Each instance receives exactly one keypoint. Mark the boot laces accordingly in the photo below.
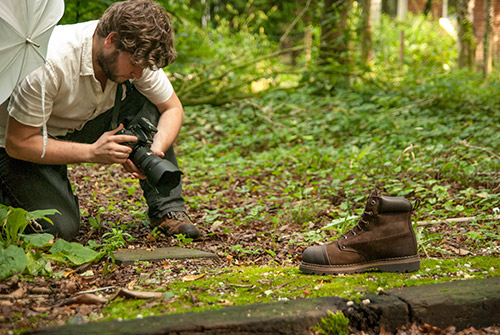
(361, 226)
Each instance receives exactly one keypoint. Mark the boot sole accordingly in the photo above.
(400, 264)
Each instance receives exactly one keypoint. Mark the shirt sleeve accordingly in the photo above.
(155, 85)
(26, 100)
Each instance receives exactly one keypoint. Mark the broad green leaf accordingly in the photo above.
(42, 214)
(38, 264)
(73, 252)
(38, 240)
(12, 260)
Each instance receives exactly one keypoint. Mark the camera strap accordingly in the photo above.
(116, 108)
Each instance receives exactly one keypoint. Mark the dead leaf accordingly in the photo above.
(17, 293)
(88, 273)
(81, 299)
(225, 302)
(131, 284)
(137, 294)
(41, 290)
(459, 251)
(264, 281)
(192, 277)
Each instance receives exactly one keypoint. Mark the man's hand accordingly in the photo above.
(129, 166)
(108, 150)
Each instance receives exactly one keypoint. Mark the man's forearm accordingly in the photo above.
(26, 143)
(56, 151)
(169, 126)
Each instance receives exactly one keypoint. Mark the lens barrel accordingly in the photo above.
(161, 173)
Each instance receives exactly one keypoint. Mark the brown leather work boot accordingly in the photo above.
(383, 239)
(176, 223)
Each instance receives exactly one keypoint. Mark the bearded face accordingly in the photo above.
(109, 64)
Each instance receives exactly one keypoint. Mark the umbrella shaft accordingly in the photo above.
(28, 40)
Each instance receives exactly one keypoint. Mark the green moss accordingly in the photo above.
(249, 285)
(333, 324)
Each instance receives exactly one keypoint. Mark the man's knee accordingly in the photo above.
(64, 224)
(67, 224)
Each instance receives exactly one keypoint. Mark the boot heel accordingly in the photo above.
(408, 266)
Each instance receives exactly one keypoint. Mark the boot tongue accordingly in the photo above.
(372, 201)
(375, 193)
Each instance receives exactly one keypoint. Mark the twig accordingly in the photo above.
(297, 18)
(244, 64)
(468, 145)
(456, 220)
(97, 290)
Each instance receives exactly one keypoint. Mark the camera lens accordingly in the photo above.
(161, 174)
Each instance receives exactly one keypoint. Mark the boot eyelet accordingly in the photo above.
(344, 237)
(342, 247)
(373, 203)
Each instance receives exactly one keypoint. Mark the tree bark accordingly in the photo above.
(402, 9)
(488, 38)
(375, 12)
(366, 32)
(466, 39)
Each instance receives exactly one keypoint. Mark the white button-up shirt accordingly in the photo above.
(73, 95)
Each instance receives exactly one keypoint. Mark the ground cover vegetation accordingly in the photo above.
(278, 154)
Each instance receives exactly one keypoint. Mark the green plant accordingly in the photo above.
(115, 239)
(15, 220)
(333, 324)
(34, 252)
(182, 239)
(425, 239)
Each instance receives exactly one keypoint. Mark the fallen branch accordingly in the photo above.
(454, 220)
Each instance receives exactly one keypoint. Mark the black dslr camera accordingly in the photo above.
(161, 173)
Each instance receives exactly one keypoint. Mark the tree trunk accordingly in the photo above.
(445, 8)
(308, 45)
(402, 9)
(375, 12)
(335, 34)
(366, 32)
(488, 35)
(466, 39)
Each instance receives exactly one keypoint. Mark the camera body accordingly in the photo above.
(161, 174)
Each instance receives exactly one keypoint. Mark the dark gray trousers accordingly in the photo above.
(37, 186)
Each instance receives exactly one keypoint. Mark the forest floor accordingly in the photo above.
(43, 301)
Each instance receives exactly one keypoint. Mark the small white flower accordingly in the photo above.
(350, 303)
(139, 316)
(366, 302)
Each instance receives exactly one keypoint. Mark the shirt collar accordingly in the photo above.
(86, 66)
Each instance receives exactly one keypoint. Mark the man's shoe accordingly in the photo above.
(176, 223)
(383, 239)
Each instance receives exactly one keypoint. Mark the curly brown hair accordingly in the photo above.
(144, 31)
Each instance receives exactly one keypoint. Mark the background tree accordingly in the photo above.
(466, 40)
(365, 31)
(487, 41)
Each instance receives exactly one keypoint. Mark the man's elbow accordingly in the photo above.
(12, 148)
